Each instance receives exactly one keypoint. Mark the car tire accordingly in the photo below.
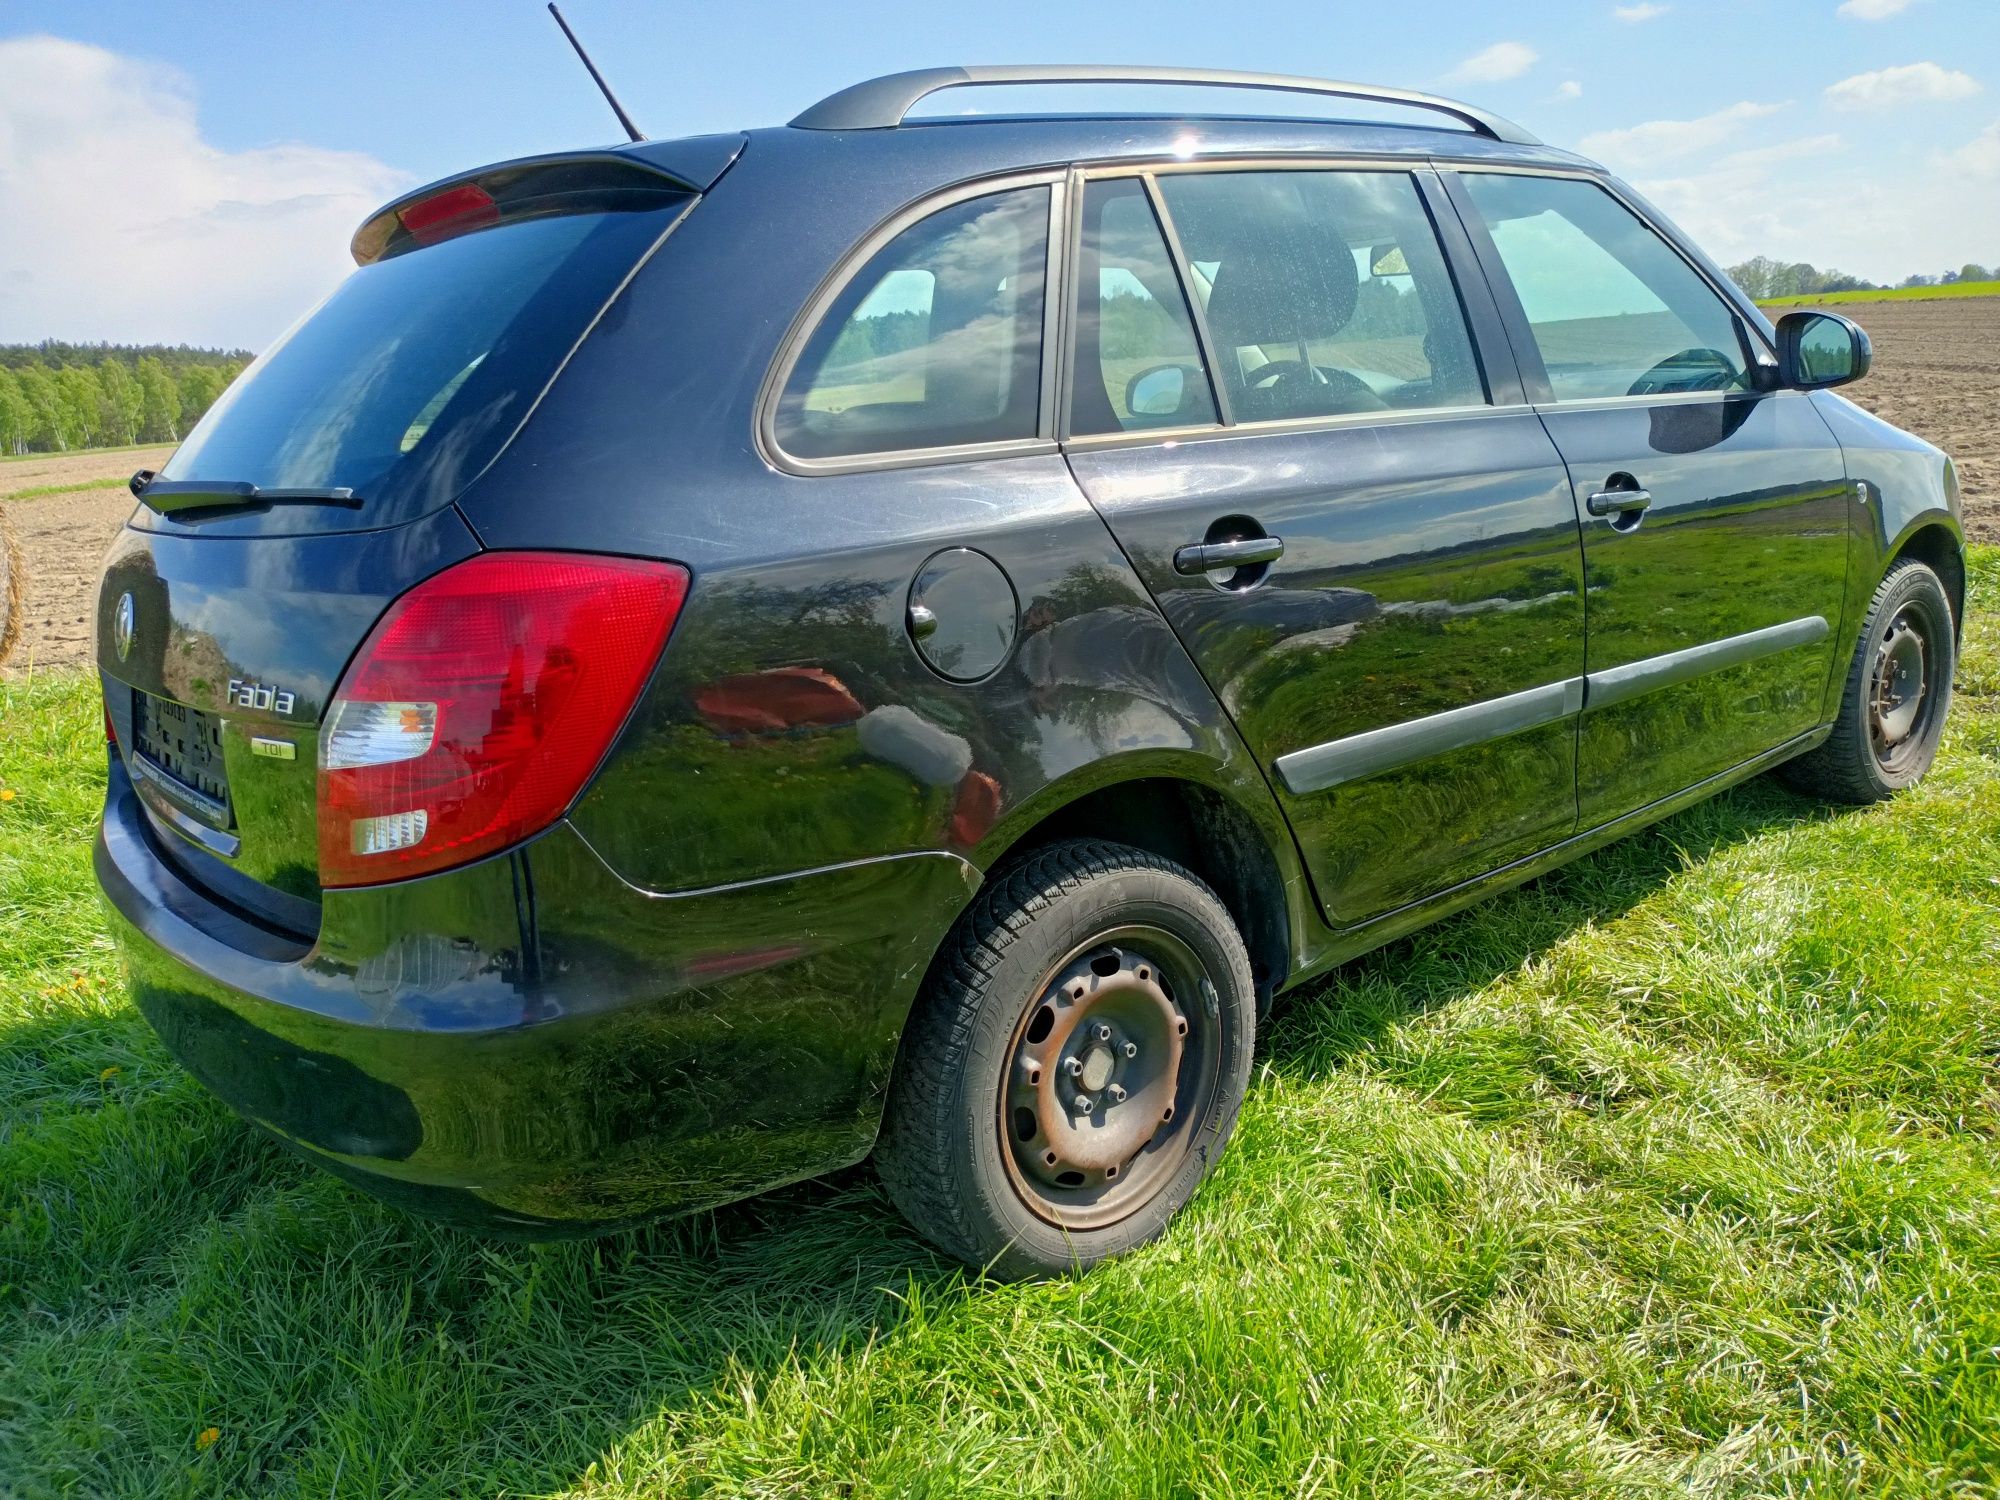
(1893, 703)
(1075, 1064)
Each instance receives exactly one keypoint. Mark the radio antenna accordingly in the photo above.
(604, 88)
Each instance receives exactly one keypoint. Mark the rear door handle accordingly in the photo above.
(1618, 502)
(1214, 557)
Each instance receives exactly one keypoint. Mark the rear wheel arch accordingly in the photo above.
(1206, 831)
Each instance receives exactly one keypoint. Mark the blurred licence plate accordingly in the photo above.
(185, 745)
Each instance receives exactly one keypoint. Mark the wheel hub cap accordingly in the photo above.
(1095, 1071)
(1897, 696)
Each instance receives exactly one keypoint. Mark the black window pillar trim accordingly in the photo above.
(1197, 309)
(1485, 323)
(1519, 336)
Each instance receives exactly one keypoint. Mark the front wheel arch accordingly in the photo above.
(1941, 549)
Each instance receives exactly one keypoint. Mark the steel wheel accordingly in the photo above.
(1076, 1064)
(1108, 1066)
(1900, 702)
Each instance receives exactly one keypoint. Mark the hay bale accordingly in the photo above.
(13, 584)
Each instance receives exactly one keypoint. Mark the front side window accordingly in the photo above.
(936, 342)
(1326, 293)
(1613, 309)
(1138, 364)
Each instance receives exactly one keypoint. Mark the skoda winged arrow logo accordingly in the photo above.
(123, 627)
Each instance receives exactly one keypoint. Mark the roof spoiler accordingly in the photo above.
(883, 103)
(537, 186)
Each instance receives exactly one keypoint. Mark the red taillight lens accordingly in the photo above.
(480, 704)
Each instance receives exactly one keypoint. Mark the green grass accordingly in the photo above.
(21, 458)
(37, 491)
(1674, 1172)
(1889, 294)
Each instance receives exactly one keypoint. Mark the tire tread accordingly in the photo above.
(1840, 768)
(922, 1181)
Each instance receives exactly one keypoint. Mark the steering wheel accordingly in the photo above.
(1334, 391)
(1689, 370)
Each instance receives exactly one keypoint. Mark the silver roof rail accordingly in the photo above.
(882, 103)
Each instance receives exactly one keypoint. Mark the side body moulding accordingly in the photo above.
(1320, 767)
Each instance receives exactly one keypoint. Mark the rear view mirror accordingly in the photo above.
(1817, 350)
(1158, 392)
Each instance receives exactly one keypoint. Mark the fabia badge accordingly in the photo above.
(123, 626)
(256, 695)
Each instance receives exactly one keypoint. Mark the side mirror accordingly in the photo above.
(1158, 392)
(1817, 350)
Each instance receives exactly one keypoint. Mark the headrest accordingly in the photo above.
(1281, 276)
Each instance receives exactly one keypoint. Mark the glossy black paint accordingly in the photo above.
(532, 1044)
(1429, 565)
(693, 986)
(1747, 529)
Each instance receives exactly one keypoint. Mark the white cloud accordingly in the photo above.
(1632, 15)
(1873, 10)
(1802, 200)
(1496, 64)
(1667, 140)
(122, 223)
(1913, 83)
(1569, 88)
(1979, 157)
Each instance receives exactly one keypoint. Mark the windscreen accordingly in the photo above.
(404, 383)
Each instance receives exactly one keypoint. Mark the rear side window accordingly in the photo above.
(1613, 309)
(1325, 292)
(936, 342)
(405, 382)
(1138, 364)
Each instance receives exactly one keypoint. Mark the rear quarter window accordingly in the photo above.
(935, 342)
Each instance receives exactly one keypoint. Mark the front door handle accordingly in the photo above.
(1618, 502)
(1217, 557)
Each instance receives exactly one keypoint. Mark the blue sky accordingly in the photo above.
(188, 171)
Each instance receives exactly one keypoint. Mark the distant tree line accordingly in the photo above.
(1970, 271)
(1764, 277)
(55, 397)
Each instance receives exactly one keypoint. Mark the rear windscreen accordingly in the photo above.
(405, 382)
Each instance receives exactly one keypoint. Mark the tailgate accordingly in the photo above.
(218, 655)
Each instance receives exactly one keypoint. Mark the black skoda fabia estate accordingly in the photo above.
(706, 660)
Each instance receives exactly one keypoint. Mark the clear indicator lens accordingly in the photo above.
(390, 832)
(361, 733)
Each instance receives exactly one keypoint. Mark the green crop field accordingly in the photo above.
(1676, 1172)
(1890, 294)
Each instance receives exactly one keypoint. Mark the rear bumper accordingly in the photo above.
(529, 1045)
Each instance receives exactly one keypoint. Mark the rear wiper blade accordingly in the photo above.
(172, 497)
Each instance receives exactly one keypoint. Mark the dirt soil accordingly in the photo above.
(1937, 373)
(60, 541)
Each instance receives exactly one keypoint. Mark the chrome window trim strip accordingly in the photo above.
(1319, 768)
(1400, 417)
(1665, 398)
(1377, 750)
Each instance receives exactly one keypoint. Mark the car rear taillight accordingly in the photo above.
(480, 704)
